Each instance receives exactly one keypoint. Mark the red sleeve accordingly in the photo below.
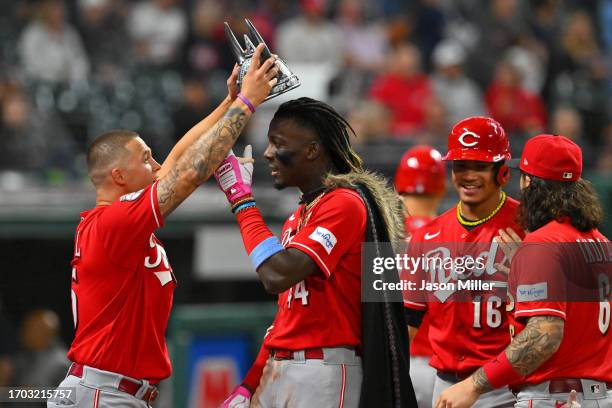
(251, 380)
(537, 281)
(334, 227)
(129, 222)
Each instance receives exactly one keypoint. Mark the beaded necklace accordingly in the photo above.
(463, 221)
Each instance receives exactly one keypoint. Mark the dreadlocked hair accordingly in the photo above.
(331, 128)
(546, 200)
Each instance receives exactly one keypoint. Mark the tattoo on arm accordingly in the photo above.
(200, 160)
(533, 346)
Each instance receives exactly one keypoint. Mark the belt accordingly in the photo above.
(453, 376)
(309, 354)
(559, 386)
(126, 385)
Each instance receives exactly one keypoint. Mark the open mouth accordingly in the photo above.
(470, 189)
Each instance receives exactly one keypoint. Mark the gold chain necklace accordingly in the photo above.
(305, 212)
(463, 221)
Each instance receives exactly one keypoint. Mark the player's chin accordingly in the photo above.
(279, 185)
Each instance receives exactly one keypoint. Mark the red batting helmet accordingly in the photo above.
(478, 138)
(420, 171)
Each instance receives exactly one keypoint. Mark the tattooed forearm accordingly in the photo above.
(481, 383)
(539, 340)
(530, 348)
(200, 160)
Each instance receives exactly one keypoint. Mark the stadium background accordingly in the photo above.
(401, 71)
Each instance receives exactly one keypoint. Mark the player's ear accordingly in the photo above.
(118, 176)
(313, 150)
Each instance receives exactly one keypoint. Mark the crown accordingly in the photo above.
(287, 80)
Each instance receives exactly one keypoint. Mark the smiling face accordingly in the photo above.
(290, 153)
(474, 181)
(139, 166)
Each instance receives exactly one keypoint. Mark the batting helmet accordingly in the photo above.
(483, 139)
(478, 138)
(421, 171)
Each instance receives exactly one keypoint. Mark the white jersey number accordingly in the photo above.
(493, 314)
(604, 305)
(299, 291)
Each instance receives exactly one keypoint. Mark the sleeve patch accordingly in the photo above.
(324, 237)
(530, 293)
(131, 196)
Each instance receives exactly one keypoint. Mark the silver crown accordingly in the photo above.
(287, 80)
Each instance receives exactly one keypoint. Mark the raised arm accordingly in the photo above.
(209, 148)
(203, 126)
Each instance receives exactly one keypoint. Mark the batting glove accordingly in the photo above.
(239, 398)
(235, 178)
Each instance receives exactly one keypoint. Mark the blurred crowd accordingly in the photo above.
(402, 71)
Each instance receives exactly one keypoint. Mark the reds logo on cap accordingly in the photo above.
(468, 133)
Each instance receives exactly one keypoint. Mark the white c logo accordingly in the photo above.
(468, 133)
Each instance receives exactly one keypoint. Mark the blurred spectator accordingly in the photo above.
(371, 122)
(365, 47)
(365, 44)
(310, 37)
(566, 121)
(42, 361)
(501, 26)
(404, 89)
(429, 28)
(517, 110)
(604, 164)
(195, 105)
(459, 94)
(435, 129)
(31, 141)
(50, 48)
(582, 74)
(157, 29)
(201, 54)
(102, 24)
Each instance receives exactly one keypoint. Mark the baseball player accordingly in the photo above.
(122, 281)
(420, 179)
(464, 335)
(562, 342)
(324, 348)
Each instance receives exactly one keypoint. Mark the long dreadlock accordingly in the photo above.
(331, 128)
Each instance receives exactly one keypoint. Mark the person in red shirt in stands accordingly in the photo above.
(404, 89)
(514, 107)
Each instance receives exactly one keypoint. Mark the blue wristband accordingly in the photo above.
(264, 250)
(243, 206)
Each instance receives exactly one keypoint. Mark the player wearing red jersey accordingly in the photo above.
(122, 282)
(420, 179)
(466, 334)
(562, 342)
(325, 347)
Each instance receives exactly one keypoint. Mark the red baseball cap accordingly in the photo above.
(550, 157)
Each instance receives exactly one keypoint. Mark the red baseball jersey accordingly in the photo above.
(541, 269)
(323, 310)
(122, 288)
(463, 335)
(420, 344)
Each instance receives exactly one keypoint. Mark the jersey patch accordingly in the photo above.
(131, 196)
(324, 237)
(530, 293)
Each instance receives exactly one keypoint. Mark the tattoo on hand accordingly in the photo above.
(200, 159)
